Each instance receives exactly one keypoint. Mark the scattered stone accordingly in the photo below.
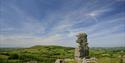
(81, 52)
(60, 61)
(31, 62)
(90, 60)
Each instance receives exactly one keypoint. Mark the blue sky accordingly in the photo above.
(24, 23)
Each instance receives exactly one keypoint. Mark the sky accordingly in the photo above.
(25, 23)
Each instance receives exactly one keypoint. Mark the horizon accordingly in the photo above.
(61, 46)
(26, 23)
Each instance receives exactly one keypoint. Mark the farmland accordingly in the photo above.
(48, 54)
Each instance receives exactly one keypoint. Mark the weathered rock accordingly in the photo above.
(77, 53)
(90, 60)
(60, 61)
(31, 62)
(83, 50)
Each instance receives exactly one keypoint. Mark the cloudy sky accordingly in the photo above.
(24, 23)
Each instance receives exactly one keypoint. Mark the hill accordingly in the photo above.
(42, 54)
(48, 54)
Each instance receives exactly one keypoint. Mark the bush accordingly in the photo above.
(13, 56)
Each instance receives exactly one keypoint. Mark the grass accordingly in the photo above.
(48, 54)
(108, 60)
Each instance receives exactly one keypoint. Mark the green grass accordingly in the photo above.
(48, 54)
(108, 60)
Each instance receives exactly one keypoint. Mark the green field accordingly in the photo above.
(48, 54)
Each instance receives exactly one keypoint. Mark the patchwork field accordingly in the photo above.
(48, 54)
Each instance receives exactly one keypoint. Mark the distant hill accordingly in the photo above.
(45, 54)
(48, 54)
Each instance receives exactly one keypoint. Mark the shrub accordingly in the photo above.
(13, 56)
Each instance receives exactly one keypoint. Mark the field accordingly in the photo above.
(48, 54)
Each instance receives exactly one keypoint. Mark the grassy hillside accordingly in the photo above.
(42, 54)
(48, 54)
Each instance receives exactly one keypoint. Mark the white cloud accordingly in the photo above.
(23, 41)
(112, 40)
(62, 31)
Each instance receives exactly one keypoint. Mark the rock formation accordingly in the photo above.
(82, 51)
